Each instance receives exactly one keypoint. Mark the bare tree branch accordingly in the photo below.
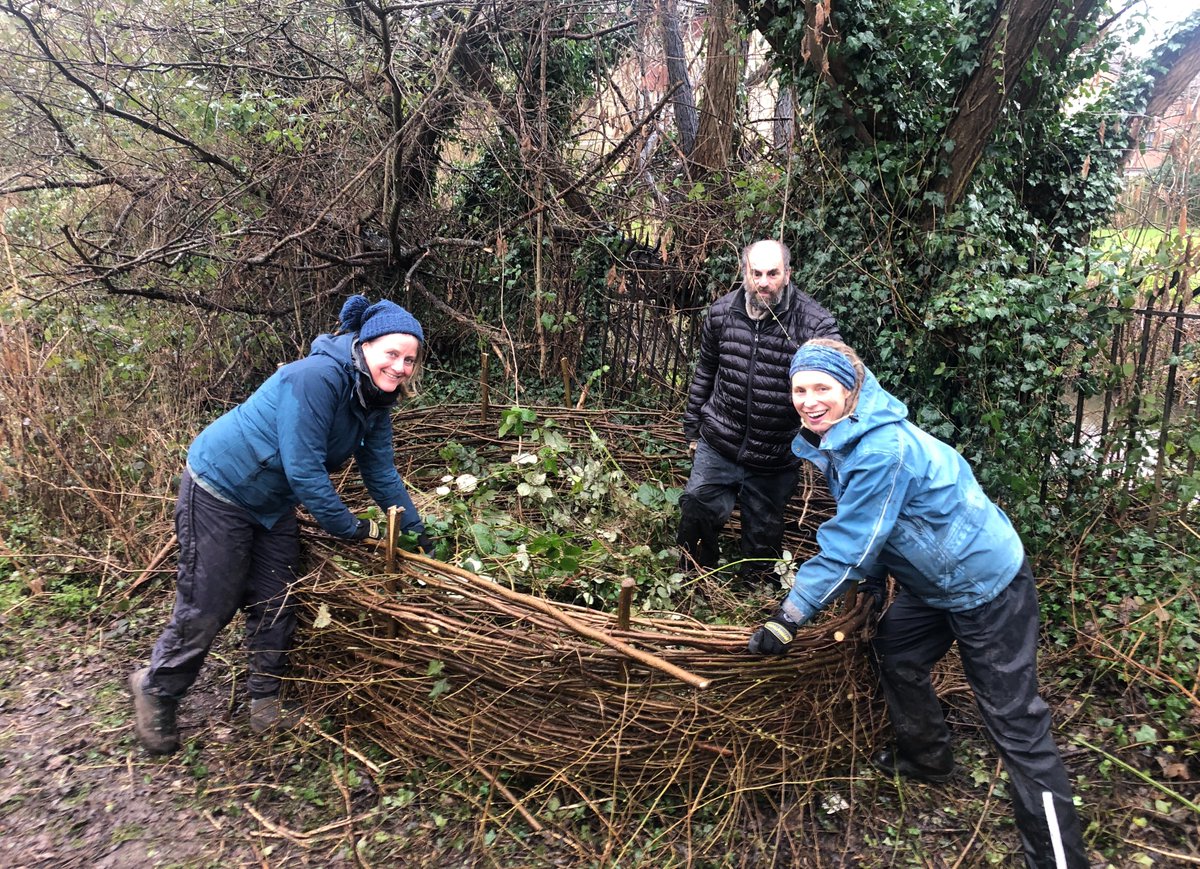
(104, 107)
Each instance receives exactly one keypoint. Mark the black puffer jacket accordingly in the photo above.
(740, 400)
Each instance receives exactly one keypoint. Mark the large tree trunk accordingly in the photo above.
(1177, 66)
(1173, 66)
(714, 139)
(684, 101)
(1016, 28)
(1057, 43)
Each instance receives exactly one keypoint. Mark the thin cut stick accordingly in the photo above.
(574, 624)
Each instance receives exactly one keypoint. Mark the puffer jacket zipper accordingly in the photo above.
(756, 328)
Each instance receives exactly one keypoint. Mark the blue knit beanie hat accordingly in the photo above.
(382, 318)
(818, 357)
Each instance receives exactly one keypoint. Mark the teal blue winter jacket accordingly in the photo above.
(278, 448)
(908, 505)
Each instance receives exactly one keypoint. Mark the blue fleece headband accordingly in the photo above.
(818, 357)
(382, 318)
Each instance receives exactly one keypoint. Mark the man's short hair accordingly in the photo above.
(783, 249)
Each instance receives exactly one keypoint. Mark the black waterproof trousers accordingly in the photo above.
(227, 561)
(998, 646)
(714, 487)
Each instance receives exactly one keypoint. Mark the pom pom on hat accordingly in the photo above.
(818, 357)
(382, 318)
(351, 314)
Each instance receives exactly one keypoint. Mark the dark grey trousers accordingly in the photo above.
(227, 561)
(714, 487)
(998, 646)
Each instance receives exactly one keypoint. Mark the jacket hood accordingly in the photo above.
(336, 347)
(876, 407)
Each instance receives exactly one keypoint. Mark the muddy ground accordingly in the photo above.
(76, 791)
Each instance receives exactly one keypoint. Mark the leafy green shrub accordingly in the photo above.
(558, 519)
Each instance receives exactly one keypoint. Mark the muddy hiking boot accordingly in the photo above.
(269, 713)
(154, 718)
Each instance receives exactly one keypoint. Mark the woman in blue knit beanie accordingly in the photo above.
(908, 506)
(247, 472)
(387, 335)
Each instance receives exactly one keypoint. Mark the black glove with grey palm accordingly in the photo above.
(368, 529)
(774, 637)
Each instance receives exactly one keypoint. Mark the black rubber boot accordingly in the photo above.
(891, 763)
(154, 717)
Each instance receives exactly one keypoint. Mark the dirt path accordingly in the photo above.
(75, 790)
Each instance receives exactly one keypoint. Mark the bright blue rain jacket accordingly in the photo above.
(908, 505)
(278, 448)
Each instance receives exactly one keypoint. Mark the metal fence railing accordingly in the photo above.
(1143, 429)
(653, 315)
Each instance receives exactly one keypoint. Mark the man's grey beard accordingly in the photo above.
(758, 308)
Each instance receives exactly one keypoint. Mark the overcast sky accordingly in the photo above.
(1164, 13)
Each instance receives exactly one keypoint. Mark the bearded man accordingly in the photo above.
(740, 422)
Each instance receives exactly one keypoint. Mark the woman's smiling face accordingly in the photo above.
(819, 399)
(391, 359)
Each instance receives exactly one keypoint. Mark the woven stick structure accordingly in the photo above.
(433, 654)
(432, 661)
(639, 441)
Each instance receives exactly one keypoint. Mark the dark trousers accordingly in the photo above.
(227, 561)
(998, 645)
(715, 485)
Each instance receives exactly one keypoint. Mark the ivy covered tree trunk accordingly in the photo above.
(1174, 67)
(1017, 27)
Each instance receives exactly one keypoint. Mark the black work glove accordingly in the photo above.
(425, 544)
(774, 637)
(368, 529)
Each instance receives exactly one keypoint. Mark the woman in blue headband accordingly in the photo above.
(908, 506)
(239, 542)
